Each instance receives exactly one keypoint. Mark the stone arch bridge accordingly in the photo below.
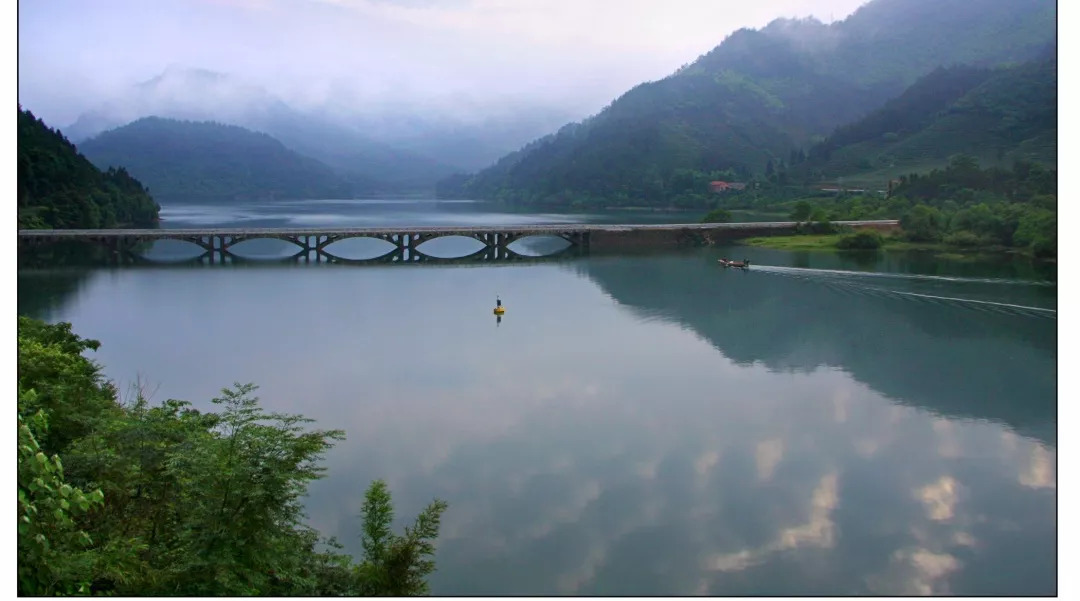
(406, 240)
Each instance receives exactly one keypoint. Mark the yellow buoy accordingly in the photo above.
(500, 310)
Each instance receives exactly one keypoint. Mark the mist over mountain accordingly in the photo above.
(402, 147)
(759, 95)
(996, 115)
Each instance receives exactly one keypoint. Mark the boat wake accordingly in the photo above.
(854, 283)
(839, 273)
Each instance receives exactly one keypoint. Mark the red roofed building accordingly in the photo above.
(721, 186)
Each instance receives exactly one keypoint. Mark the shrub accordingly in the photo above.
(717, 216)
(922, 223)
(1044, 246)
(802, 210)
(864, 240)
(964, 239)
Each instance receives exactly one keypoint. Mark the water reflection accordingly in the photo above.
(644, 424)
(956, 358)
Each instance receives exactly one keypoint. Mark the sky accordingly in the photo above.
(349, 55)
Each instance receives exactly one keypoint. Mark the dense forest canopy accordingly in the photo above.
(59, 188)
(997, 115)
(206, 161)
(745, 106)
(133, 499)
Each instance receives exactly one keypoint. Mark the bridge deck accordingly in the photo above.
(421, 229)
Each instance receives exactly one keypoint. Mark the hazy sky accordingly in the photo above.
(574, 54)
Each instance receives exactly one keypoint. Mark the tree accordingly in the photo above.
(53, 550)
(802, 210)
(182, 502)
(1038, 231)
(396, 565)
(717, 216)
(922, 223)
(58, 187)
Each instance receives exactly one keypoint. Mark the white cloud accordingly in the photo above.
(706, 461)
(1040, 471)
(940, 498)
(767, 456)
(924, 571)
(818, 531)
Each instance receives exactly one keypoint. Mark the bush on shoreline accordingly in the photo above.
(131, 499)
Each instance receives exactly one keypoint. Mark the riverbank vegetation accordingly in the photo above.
(960, 207)
(59, 188)
(133, 499)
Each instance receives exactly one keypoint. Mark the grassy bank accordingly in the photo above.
(829, 242)
(799, 242)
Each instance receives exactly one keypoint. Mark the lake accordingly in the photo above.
(636, 424)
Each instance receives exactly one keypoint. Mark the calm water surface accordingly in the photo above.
(635, 424)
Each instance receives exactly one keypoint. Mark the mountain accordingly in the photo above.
(997, 116)
(188, 94)
(355, 155)
(402, 147)
(185, 94)
(758, 95)
(206, 161)
(60, 188)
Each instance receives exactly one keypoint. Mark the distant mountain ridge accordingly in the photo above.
(207, 161)
(394, 151)
(757, 96)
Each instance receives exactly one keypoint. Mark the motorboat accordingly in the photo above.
(729, 263)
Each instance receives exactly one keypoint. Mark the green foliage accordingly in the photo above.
(802, 211)
(59, 188)
(923, 223)
(863, 240)
(1037, 230)
(983, 222)
(964, 239)
(999, 115)
(68, 388)
(53, 550)
(717, 216)
(212, 161)
(397, 565)
(183, 502)
(817, 223)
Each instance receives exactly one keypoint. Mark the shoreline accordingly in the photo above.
(827, 243)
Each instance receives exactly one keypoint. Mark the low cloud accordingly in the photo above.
(372, 55)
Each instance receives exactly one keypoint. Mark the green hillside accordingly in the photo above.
(746, 104)
(205, 161)
(998, 116)
(60, 188)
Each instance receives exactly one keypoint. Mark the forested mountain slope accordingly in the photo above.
(205, 161)
(757, 96)
(60, 188)
(998, 116)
